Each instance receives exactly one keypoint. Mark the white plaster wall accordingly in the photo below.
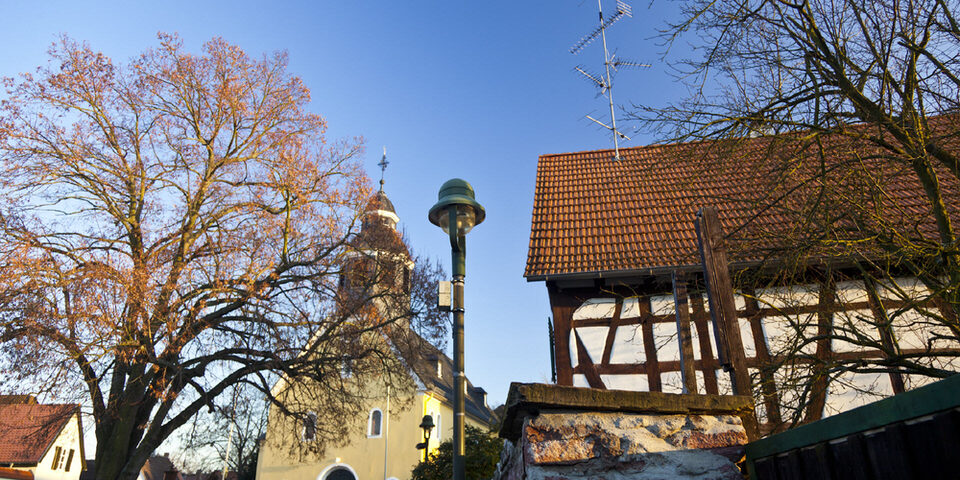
(635, 383)
(665, 338)
(852, 390)
(627, 346)
(595, 308)
(593, 338)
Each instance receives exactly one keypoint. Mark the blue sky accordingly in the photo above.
(475, 90)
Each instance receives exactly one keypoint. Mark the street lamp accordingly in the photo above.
(456, 212)
(426, 425)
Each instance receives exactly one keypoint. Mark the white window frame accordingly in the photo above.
(370, 424)
(330, 468)
(437, 433)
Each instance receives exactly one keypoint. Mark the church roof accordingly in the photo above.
(378, 230)
(594, 216)
(379, 201)
(435, 371)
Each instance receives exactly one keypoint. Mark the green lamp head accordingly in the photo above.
(457, 194)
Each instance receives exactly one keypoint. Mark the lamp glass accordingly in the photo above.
(466, 219)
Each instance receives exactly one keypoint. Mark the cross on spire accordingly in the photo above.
(383, 167)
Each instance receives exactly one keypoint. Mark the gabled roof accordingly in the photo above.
(27, 431)
(594, 216)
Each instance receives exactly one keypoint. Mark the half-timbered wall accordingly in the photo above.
(620, 340)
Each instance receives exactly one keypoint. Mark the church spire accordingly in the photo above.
(383, 167)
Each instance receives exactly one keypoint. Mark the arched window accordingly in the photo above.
(375, 423)
(340, 472)
(310, 427)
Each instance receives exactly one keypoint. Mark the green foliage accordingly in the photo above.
(482, 455)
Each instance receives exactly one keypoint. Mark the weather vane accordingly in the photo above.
(383, 167)
(605, 82)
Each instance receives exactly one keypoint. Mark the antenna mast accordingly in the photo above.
(605, 82)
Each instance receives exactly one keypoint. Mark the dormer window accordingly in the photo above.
(435, 361)
(481, 395)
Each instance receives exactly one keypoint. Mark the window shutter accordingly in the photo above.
(56, 458)
(69, 460)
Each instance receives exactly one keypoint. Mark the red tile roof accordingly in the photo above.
(26, 431)
(596, 216)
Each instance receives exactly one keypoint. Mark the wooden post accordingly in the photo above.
(563, 306)
(687, 371)
(723, 311)
(885, 328)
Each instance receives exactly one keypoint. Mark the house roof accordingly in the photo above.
(425, 365)
(15, 474)
(27, 431)
(594, 216)
(157, 467)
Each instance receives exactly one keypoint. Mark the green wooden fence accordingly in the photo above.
(912, 435)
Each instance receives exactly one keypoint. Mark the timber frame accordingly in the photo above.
(691, 316)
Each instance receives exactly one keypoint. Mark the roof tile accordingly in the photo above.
(594, 214)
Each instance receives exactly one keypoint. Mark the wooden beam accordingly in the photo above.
(818, 388)
(684, 337)
(562, 305)
(703, 335)
(884, 327)
(768, 386)
(612, 332)
(723, 311)
(650, 347)
(585, 364)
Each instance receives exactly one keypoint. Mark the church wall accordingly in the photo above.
(282, 457)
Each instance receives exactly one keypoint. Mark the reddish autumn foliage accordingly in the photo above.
(171, 227)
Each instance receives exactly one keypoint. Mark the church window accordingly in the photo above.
(340, 473)
(310, 427)
(374, 423)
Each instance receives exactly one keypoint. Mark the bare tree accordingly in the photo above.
(230, 434)
(840, 106)
(171, 228)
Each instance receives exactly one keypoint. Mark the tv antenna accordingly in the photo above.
(605, 81)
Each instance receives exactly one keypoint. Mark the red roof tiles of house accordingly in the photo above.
(594, 216)
(159, 467)
(26, 431)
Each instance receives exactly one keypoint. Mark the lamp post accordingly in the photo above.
(457, 212)
(426, 425)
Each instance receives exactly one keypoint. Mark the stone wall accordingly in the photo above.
(569, 433)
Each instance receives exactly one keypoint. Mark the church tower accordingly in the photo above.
(378, 266)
